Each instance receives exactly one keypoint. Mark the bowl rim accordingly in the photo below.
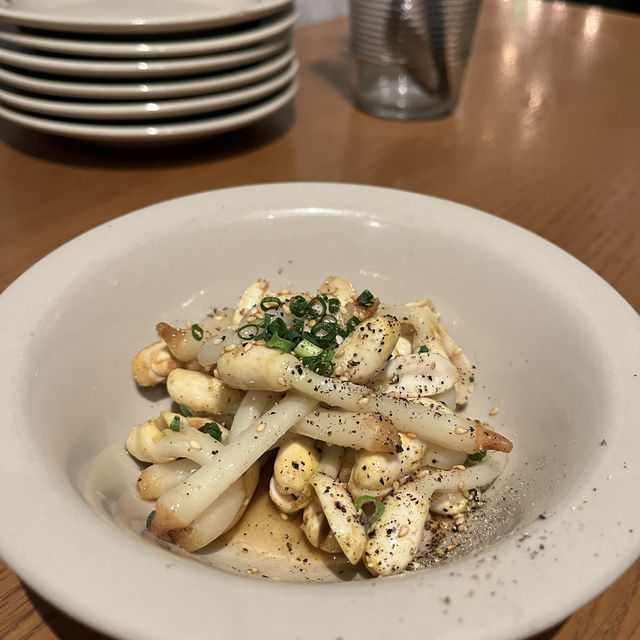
(139, 601)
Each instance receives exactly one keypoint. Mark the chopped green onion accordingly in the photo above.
(472, 379)
(298, 306)
(352, 322)
(276, 342)
(185, 411)
(197, 332)
(175, 424)
(270, 303)
(248, 331)
(317, 308)
(324, 332)
(362, 500)
(150, 518)
(305, 349)
(278, 328)
(333, 304)
(365, 299)
(424, 349)
(474, 458)
(213, 429)
(320, 364)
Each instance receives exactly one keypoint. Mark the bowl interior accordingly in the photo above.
(503, 294)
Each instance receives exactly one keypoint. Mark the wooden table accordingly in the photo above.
(547, 135)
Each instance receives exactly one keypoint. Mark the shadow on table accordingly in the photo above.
(119, 156)
(60, 623)
(337, 74)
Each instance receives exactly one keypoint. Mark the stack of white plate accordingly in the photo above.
(143, 70)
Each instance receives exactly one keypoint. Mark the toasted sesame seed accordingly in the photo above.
(219, 317)
(457, 351)
(285, 292)
(396, 485)
(422, 474)
(339, 353)
(284, 516)
(248, 346)
(363, 401)
(243, 312)
(432, 365)
(261, 427)
(260, 343)
(459, 467)
(463, 528)
(234, 327)
(194, 444)
(459, 431)
(404, 529)
(281, 381)
(216, 374)
(217, 341)
(440, 551)
(493, 411)
(461, 486)
(339, 371)
(344, 379)
(411, 435)
(255, 570)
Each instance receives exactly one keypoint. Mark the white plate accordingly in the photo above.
(161, 67)
(154, 131)
(562, 364)
(149, 110)
(134, 16)
(151, 90)
(267, 28)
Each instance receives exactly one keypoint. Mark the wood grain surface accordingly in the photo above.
(547, 135)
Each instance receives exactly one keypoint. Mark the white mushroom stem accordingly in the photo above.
(418, 374)
(466, 382)
(314, 523)
(395, 539)
(181, 505)
(157, 479)
(183, 344)
(368, 431)
(427, 423)
(270, 369)
(341, 515)
(220, 515)
(442, 458)
(252, 406)
(424, 323)
(211, 349)
(148, 443)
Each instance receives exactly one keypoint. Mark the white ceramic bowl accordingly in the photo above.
(557, 349)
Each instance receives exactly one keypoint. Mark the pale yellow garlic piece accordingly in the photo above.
(153, 364)
(294, 465)
(374, 473)
(448, 503)
(249, 299)
(363, 354)
(202, 392)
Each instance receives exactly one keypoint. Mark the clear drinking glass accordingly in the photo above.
(410, 55)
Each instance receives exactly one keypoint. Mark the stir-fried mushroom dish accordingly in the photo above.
(349, 401)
